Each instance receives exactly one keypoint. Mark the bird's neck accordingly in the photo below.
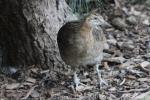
(86, 32)
(86, 27)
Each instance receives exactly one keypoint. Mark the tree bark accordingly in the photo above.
(28, 31)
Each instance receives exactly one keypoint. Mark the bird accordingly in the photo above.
(81, 42)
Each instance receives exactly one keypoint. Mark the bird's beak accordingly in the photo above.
(105, 25)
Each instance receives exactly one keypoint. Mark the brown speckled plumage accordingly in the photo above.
(81, 44)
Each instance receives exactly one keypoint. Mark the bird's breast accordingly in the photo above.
(78, 46)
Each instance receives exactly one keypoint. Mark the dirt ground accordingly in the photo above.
(125, 67)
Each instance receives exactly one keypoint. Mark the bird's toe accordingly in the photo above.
(102, 82)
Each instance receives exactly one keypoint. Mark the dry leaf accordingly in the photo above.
(12, 86)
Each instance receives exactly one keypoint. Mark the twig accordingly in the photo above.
(144, 69)
(122, 82)
(83, 84)
(30, 91)
(134, 90)
(139, 97)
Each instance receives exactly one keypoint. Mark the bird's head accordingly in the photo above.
(95, 20)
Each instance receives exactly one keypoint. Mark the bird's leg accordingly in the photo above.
(76, 80)
(100, 80)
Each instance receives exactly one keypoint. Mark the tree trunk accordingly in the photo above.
(28, 31)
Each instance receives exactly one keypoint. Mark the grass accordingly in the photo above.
(84, 6)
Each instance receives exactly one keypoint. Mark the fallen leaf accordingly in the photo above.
(12, 86)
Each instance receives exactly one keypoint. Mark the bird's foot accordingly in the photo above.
(102, 82)
(77, 88)
(78, 85)
(76, 80)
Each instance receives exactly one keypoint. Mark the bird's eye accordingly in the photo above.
(95, 18)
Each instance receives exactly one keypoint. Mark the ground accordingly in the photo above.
(125, 67)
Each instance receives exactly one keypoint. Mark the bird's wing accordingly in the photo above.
(65, 32)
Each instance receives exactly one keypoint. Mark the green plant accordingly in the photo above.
(84, 6)
(136, 1)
